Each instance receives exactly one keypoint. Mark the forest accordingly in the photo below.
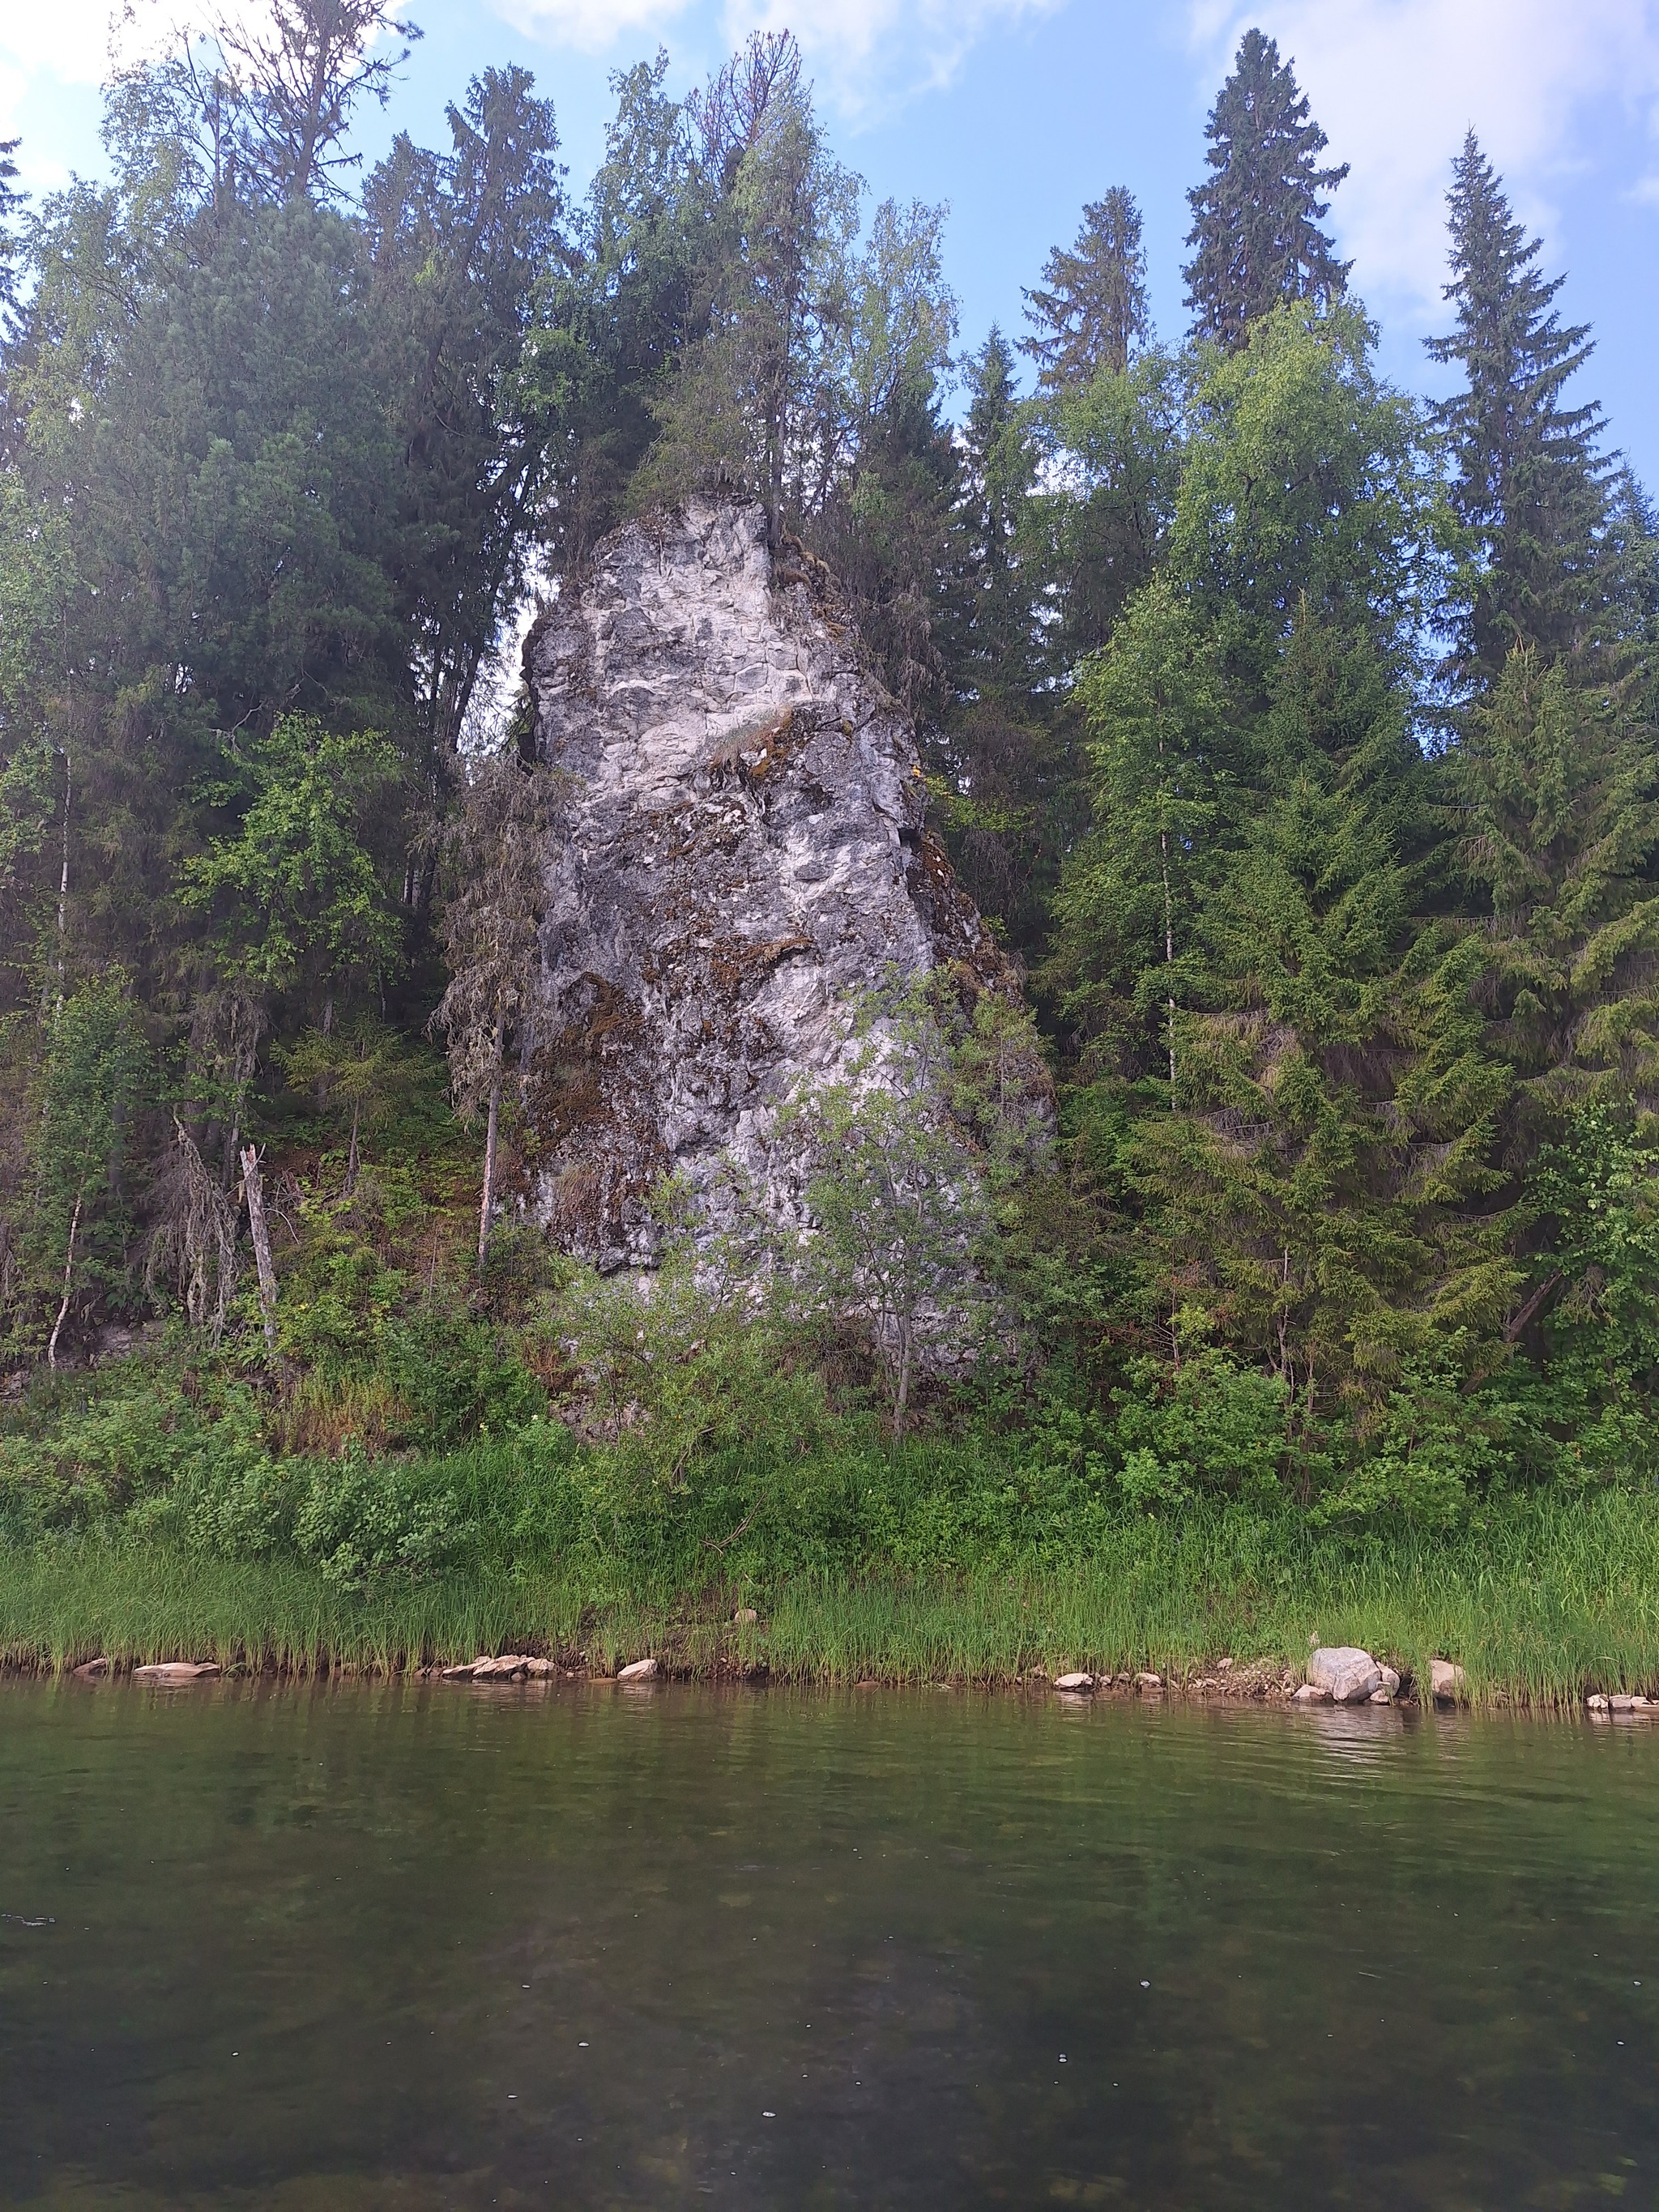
(1295, 734)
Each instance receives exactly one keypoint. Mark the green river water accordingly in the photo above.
(420, 1947)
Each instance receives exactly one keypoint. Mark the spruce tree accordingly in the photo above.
(1091, 311)
(1558, 791)
(1527, 484)
(1255, 234)
(991, 753)
(10, 200)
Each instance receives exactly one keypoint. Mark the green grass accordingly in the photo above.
(1542, 1598)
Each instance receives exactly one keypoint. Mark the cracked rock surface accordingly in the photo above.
(742, 854)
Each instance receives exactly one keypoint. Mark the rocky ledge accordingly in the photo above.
(742, 854)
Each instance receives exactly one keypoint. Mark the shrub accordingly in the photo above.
(360, 1521)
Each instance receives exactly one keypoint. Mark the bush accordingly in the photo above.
(360, 1521)
(1213, 1428)
(456, 1377)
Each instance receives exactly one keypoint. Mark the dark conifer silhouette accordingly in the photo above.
(1256, 217)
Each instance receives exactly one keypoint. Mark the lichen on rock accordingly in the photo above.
(743, 854)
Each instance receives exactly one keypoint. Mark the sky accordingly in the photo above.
(1014, 112)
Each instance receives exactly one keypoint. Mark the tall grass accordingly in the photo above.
(1543, 1598)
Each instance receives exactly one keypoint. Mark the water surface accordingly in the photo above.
(438, 1947)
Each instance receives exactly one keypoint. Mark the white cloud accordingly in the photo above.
(1395, 84)
(590, 26)
(867, 57)
(69, 41)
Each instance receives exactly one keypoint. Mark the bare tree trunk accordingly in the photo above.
(68, 1272)
(488, 1204)
(254, 1187)
(63, 888)
(902, 1392)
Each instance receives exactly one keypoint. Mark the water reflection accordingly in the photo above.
(395, 1947)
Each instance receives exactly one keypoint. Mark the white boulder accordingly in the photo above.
(1349, 1674)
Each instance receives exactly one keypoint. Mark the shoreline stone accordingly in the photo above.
(1448, 1684)
(639, 1670)
(1347, 1674)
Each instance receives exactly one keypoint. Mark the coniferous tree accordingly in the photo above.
(1527, 484)
(1091, 311)
(1256, 217)
(991, 751)
(460, 243)
(10, 200)
(1558, 790)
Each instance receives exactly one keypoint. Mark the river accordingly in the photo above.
(413, 1947)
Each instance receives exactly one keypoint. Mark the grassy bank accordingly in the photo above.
(1541, 1599)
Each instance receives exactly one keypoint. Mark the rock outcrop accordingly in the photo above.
(743, 854)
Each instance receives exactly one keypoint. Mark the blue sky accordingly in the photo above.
(1015, 112)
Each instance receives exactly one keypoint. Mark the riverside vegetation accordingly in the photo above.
(1298, 737)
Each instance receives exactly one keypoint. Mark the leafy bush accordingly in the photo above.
(456, 1377)
(1212, 1428)
(360, 1521)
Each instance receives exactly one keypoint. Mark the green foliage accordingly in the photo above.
(1255, 231)
(89, 1087)
(897, 1197)
(1558, 798)
(359, 1523)
(1091, 311)
(296, 896)
(457, 1377)
(1305, 489)
(693, 1367)
(1154, 702)
(1596, 1198)
(1341, 1203)
(1528, 487)
(1218, 1430)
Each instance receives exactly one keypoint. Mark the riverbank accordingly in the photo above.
(1543, 1601)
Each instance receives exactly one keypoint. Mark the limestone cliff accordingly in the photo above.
(742, 852)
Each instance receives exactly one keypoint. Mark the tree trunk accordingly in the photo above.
(254, 1187)
(63, 889)
(901, 1390)
(351, 1155)
(487, 1205)
(1169, 952)
(69, 1273)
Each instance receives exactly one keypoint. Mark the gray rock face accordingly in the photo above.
(743, 854)
(1350, 1675)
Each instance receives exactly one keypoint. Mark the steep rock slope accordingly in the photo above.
(742, 854)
